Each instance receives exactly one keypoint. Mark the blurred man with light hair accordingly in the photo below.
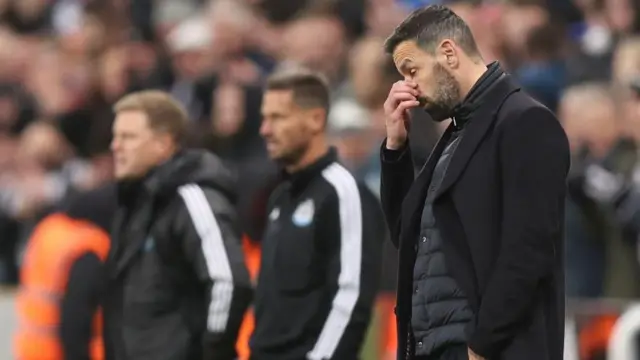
(178, 285)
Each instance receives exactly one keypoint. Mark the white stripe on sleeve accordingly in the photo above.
(214, 253)
(344, 302)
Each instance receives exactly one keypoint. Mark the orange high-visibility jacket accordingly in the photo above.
(252, 259)
(391, 333)
(53, 248)
(388, 336)
(595, 334)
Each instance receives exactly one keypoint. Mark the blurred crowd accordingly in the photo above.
(63, 63)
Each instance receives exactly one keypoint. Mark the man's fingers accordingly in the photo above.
(410, 84)
(402, 96)
(400, 91)
(395, 99)
(402, 109)
(406, 105)
(404, 88)
(407, 120)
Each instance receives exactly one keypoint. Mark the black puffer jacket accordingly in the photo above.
(440, 309)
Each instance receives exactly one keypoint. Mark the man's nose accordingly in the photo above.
(265, 128)
(115, 145)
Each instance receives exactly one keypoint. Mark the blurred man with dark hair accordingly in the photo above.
(321, 250)
(543, 74)
(480, 230)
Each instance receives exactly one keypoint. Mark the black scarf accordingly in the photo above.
(463, 112)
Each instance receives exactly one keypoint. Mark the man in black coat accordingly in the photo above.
(479, 231)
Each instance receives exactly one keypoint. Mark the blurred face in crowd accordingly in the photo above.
(141, 57)
(30, 9)
(9, 112)
(600, 126)
(589, 119)
(439, 89)
(113, 74)
(517, 23)
(316, 43)
(632, 118)
(620, 14)
(191, 64)
(354, 147)
(231, 21)
(137, 148)
(366, 73)
(625, 64)
(43, 144)
(288, 128)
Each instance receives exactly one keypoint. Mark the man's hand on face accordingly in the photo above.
(402, 97)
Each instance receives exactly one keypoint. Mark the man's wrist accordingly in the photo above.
(395, 144)
(390, 154)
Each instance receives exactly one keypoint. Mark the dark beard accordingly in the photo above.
(292, 157)
(447, 95)
(437, 111)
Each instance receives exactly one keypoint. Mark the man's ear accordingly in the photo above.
(318, 118)
(448, 53)
(165, 142)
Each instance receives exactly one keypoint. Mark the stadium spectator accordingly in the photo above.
(63, 278)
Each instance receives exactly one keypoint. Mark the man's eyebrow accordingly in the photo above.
(404, 64)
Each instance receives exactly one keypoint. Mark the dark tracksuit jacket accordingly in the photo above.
(320, 267)
(178, 286)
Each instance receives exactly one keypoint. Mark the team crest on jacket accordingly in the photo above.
(149, 244)
(274, 214)
(303, 216)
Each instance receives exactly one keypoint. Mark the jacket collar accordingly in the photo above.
(482, 120)
(301, 178)
(185, 167)
(464, 111)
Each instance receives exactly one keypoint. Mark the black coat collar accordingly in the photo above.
(465, 111)
(481, 121)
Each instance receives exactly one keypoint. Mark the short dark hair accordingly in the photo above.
(428, 26)
(310, 89)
